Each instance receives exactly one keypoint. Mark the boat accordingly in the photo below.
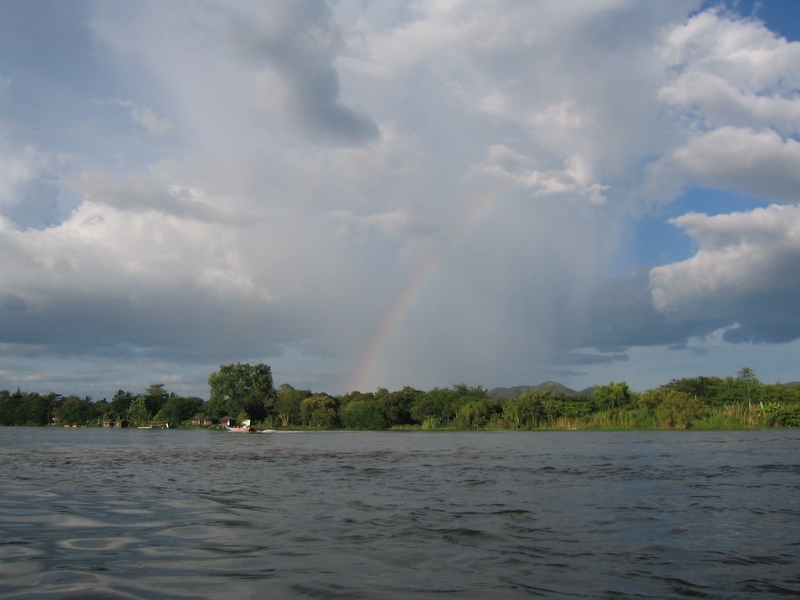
(240, 429)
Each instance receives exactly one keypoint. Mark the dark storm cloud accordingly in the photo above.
(299, 40)
(622, 315)
(160, 325)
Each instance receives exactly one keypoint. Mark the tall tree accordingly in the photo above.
(241, 387)
(287, 404)
(748, 383)
(155, 397)
(120, 404)
(137, 411)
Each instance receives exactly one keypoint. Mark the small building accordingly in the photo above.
(227, 422)
(115, 423)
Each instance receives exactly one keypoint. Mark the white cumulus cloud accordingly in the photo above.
(747, 269)
(756, 163)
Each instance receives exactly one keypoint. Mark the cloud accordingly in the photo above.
(566, 87)
(755, 163)
(156, 280)
(20, 168)
(722, 102)
(293, 46)
(143, 117)
(148, 193)
(273, 63)
(396, 224)
(742, 53)
(745, 271)
(574, 178)
(621, 314)
(734, 83)
(454, 178)
(28, 184)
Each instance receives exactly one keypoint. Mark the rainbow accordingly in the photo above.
(412, 293)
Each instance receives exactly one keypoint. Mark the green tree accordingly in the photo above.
(473, 415)
(119, 405)
(26, 408)
(242, 387)
(176, 410)
(613, 395)
(511, 414)
(704, 389)
(155, 397)
(137, 412)
(397, 406)
(678, 409)
(438, 404)
(319, 410)
(748, 384)
(442, 404)
(287, 403)
(78, 411)
(363, 414)
(530, 409)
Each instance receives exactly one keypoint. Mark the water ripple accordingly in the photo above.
(195, 514)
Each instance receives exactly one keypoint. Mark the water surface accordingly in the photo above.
(91, 513)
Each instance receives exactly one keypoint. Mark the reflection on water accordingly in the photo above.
(91, 513)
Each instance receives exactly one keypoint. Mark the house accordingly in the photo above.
(115, 423)
(227, 422)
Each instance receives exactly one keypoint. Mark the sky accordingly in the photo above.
(423, 193)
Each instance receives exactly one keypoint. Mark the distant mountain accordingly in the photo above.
(548, 386)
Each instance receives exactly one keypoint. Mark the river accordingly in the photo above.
(93, 513)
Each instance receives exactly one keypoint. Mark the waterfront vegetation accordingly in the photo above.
(243, 391)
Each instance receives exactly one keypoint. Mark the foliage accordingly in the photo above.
(364, 414)
(442, 404)
(237, 388)
(176, 410)
(155, 397)
(673, 408)
(119, 406)
(474, 414)
(438, 404)
(319, 410)
(22, 408)
(76, 411)
(397, 406)
(704, 389)
(287, 404)
(613, 395)
(748, 384)
(245, 391)
(138, 414)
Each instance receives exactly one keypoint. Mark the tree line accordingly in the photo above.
(155, 405)
(244, 391)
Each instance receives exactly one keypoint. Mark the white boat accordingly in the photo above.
(242, 429)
